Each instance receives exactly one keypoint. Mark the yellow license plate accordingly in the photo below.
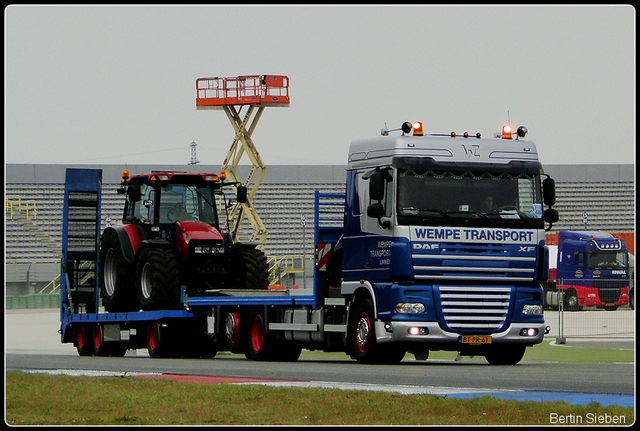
(475, 339)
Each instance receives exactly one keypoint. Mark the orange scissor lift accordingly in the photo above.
(231, 94)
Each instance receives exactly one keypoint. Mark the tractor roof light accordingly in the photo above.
(506, 132)
(223, 175)
(417, 128)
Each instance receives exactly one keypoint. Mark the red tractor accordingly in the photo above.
(171, 236)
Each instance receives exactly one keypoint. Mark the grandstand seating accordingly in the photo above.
(610, 206)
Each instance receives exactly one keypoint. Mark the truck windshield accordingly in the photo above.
(608, 260)
(465, 198)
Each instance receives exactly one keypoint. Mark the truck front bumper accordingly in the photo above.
(431, 332)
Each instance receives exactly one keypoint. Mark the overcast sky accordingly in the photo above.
(116, 84)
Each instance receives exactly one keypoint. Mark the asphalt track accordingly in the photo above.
(33, 344)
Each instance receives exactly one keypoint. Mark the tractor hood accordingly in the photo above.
(196, 232)
(195, 229)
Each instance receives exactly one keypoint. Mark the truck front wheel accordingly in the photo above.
(364, 347)
(507, 355)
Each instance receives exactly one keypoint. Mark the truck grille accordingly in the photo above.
(474, 308)
(609, 295)
(474, 262)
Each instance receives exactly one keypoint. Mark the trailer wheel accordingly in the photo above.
(117, 276)
(251, 270)
(84, 341)
(507, 355)
(364, 347)
(100, 348)
(155, 348)
(157, 279)
(260, 345)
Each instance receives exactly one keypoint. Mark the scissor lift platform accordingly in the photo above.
(231, 94)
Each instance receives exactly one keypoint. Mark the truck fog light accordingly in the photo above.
(528, 332)
(410, 307)
(591, 295)
(416, 330)
(532, 309)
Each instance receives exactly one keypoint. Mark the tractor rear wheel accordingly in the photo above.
(157, 279)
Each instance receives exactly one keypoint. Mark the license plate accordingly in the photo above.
(475, 339)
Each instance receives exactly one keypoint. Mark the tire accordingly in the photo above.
(362, 339)
(232, 331)
(251, 269)
(117, 276)
(83, 340)
(632, 298)
(571, 300)
(155, 347)
(157, 279)
(507, 355)
(260, 345)
(100, 348)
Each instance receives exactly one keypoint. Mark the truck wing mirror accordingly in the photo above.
(549, 191)
(375, 211)
(133, 193)
(241, 194)
(551, 215)
(376, 186)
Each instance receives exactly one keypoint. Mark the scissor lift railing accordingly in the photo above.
(231, 94)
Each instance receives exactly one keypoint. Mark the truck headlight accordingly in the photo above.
(410, 307)
(532, 309)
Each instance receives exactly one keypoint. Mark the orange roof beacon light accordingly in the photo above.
(125, 175)
(223, 175)
(417, 128)
(506, 131)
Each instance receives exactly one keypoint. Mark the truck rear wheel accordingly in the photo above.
(364, 347)
(260, 345)
(117, 276)
(157, 279)
(251, 268)
(232, 330)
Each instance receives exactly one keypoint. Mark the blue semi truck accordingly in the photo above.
(438, 243)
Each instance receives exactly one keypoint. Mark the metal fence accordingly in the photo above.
(581, 308)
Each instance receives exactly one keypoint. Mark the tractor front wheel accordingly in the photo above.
(157, 279)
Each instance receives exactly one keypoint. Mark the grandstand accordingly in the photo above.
(34, 199)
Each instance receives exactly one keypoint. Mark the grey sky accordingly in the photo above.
(116, 85)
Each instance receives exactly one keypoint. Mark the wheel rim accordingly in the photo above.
(363, 332)
(232, 327)
(257, 332)
(97, 337)
(110, 273)
(152, 338)
(80, 337)
(145, 281)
